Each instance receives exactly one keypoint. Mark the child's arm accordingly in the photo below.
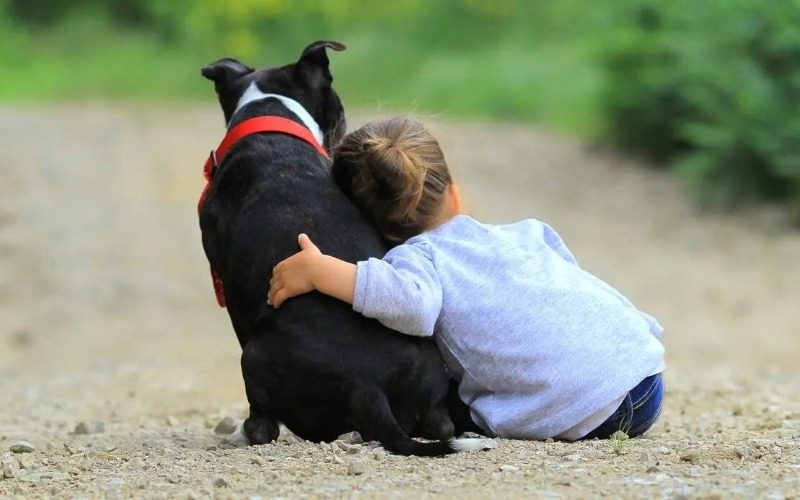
(402, 291)
(310, 270)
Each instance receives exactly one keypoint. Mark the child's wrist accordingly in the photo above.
(319, 269)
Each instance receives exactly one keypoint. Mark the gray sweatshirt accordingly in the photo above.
(539, 346)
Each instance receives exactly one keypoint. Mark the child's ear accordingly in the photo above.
(454, 199)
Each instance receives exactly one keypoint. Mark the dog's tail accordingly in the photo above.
(370, 409)
(410, 446)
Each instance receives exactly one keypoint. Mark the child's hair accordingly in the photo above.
(395, 173)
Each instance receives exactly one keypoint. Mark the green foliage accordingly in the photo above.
(709, 87)
(507, 59)
(714, 89)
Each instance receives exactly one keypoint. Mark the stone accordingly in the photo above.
(356, 468)
(237, 439)
(9, 465)
(351, 438)
(690, 455)
(226, 426)
(22, 447)
(94, 427)
(508, 468)
(26, 461)
(220, 482)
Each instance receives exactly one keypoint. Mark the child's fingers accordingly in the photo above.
(305, 242)
(274, 287)
(278, 298)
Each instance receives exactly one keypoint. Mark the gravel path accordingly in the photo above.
(116, 365)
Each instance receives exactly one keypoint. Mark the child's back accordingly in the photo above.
(538, 344)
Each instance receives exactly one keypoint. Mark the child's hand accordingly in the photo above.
(295, 275)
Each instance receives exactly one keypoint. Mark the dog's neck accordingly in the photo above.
(253, 93)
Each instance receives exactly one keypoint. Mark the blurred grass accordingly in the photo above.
(555, 81)
(86, 57)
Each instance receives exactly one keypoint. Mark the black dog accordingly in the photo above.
(314, 364)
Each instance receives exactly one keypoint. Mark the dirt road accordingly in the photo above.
(107, 315)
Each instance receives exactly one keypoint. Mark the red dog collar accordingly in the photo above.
(261, 124)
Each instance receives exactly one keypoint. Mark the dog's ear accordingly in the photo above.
(313, 64)
(225, 69)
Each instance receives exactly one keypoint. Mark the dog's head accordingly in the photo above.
(308, 81)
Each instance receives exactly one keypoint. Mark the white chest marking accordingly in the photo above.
(253, 93)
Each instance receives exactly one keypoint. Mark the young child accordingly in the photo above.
(540, 348)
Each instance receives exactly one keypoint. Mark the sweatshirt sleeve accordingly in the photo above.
(402, 290)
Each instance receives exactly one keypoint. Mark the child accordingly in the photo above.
(540, 348)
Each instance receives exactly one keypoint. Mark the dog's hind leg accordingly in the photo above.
(260, 427)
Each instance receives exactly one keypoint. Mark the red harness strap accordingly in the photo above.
(261, 124)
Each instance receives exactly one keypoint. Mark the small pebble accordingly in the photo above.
(237, 439)
(9, 465)
(26, 461)
(172, 421)
(226, 426)
(740, 452)
(508, 468)
(356, 468)
(272, 475)
(221, 482)
(257, 460)
(289, 439)
(104, 456)
(351, 438)
(90, 428)
(549, 440)
(690, 455)
(653, 468)
(351, 449)
(378, 453)
(22, 447)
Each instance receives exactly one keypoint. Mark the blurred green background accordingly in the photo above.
(710, 88)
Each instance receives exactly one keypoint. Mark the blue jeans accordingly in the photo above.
(637, 413)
